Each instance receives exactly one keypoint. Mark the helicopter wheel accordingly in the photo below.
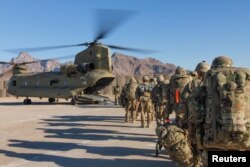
(26, 101)
(52, 100)
(73, 101)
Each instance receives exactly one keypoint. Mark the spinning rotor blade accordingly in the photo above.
(36, 61)
(109, 19)
(2, 62)
(36, 49)
(132, 49)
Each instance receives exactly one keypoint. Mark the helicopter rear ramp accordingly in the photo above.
(93, 99)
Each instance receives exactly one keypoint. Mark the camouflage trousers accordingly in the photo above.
(130, 110)
(159, 113)
(145, 107)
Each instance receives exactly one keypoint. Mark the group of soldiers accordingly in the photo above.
(144, 100)
(210, 106)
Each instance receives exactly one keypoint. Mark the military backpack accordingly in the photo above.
(227, 109)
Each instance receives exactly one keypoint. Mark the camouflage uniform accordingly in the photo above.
(221, 108)
(174, 140)
(190, 90)
(143, 93)
(131, 100)
(177, 83)
(159, 97)
(153, 83)
(123, 99)
(116, 92)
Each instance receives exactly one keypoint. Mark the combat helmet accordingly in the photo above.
(160, 78)
(145, 78)
(152, 80)
(222, 61)
(180, 73)
(202, 67)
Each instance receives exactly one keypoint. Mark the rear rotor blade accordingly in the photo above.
(133, 49)
(2, 62)
(36, 49)
(52, 59)
(108, 20)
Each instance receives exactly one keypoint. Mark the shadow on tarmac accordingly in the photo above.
(75, 127)
(86, 162)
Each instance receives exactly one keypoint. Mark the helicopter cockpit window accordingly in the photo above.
(14, 83)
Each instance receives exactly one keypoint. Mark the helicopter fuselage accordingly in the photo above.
(91, 71)
(47, 84)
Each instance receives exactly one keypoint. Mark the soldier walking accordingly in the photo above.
(159, 97)
(177, 83)
(131, 100)
(143, 93)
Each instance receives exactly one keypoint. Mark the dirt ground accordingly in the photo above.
(51, 135)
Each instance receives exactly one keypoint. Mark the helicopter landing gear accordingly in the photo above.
(73, 100)
(26, 101)
(51, 100)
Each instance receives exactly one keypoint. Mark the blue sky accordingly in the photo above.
(185, 31)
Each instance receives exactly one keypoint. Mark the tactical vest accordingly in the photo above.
(227, 109)
(144, 90)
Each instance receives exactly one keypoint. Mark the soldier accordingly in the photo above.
(177, 83)
(189, 121)
(131, 100)
(196, 81)
(143, 93)
(123, 99)
(217, 105)
(116, 92)
(159, 99)
(153, 83)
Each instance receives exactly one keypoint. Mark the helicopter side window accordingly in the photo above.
(14, 83)
(52, 82)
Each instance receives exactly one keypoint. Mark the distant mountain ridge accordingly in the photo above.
(129, 65)
(5, 69)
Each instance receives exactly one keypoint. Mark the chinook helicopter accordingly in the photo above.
(91, 71)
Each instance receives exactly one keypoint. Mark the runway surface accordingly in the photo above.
(52, 135)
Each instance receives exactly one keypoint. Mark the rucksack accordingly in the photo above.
(177, 85)
(175, 141)
(227, 109)
(131, 89)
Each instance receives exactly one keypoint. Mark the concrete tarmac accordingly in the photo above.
(52, 135)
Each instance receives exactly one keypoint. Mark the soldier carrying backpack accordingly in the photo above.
(222, 109)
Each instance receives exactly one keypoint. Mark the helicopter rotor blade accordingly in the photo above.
(108, 20)
(52, 59)
(3, 62)
(132, 49)
(36, 49)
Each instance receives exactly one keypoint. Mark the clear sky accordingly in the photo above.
(185, 31)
